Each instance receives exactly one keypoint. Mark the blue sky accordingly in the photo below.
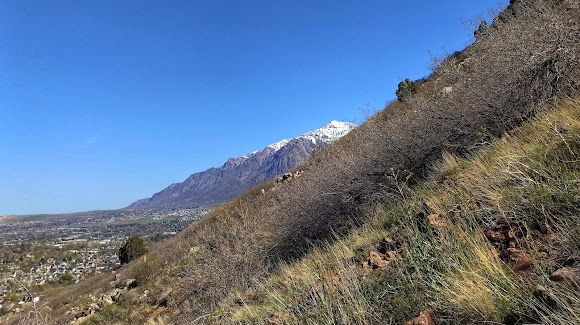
(106, 102)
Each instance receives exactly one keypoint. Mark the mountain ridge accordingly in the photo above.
(230, 180)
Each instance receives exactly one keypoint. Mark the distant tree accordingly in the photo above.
(66, 278)
(405, 90)
(132, 249)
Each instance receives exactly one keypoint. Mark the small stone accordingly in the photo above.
(425, 318)
(331, 278)
(129, 283)
(568, 274)
(274, 319)
(436, 222)
(522, 260)
(494, 236)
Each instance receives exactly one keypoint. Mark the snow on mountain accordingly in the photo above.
(329, 133)
(237, 175)
(325, 135)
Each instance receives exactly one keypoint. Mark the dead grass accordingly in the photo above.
(453, 269)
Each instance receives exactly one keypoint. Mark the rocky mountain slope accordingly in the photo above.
(237, 175)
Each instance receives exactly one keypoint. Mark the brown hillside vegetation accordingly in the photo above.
(492, 238)
(527, 58)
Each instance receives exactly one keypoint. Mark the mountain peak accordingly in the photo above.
(329, 133)
(236, 175)
(325, 135)
(336, 123)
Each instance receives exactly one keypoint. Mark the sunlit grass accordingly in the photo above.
(530, 177)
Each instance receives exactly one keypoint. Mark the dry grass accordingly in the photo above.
(453, 269)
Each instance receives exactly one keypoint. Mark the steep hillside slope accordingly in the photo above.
(489, 239)
(527, 58)
(237, 175)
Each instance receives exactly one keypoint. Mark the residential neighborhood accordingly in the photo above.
(36, 253)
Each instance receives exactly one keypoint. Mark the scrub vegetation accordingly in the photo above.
(438, 247)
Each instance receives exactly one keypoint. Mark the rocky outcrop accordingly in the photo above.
(481, 30)
(288, 176)
(101, 301)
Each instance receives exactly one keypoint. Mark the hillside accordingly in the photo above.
(467, 239)
(490, 238)
(237, 175)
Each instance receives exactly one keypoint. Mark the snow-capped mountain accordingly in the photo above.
(237, 175)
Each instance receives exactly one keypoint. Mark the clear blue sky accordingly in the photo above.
(106, 102)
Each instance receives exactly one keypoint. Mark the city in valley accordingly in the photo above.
(40, 252)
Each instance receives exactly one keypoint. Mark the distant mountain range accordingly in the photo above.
(237, 175)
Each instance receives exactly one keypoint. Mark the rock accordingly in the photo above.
(425, 318)
(80, 314)
(521, 259)
(494, 236)
(568, 274)
(93, 308)
(288, 176)
(116, 296)
(273, 319)
(144, 295)
(107, 298)
(384, 252)
(387, 244)
(331, 278)
(129, 283)
(436, 222)
(377, 260)
(481, 30)
(543, 295)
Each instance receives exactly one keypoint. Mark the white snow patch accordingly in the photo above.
(330, 132)
(326, 134)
